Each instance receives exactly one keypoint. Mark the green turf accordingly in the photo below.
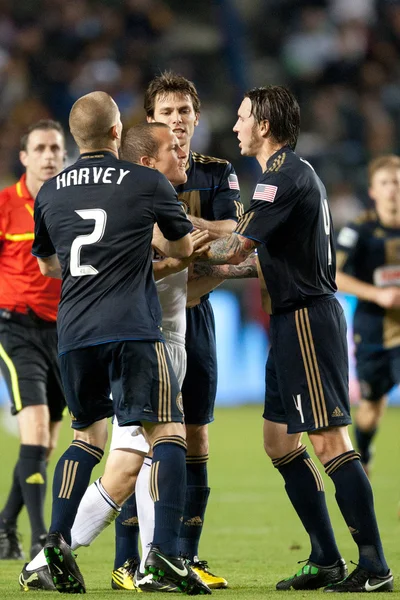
(252, 536)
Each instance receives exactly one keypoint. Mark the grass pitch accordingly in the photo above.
(252, 535)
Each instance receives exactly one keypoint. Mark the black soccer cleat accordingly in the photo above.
(10, 547)
(174, 570)
(312, 576)
(147, 583)
(40, 579)
(64, 571)
(361, 580)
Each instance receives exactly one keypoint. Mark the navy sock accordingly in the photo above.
(14, 503)
(355, 499)
(196, 499)
(126, 533)
(167, 489)
(33, 479)
(363, 440)
(71, 478)
(305, 488)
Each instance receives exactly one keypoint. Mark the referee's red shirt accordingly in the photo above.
(22, 286)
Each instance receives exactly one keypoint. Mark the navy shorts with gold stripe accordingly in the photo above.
(29, 363)
(139, 375)
(199, 387)
(307, 368)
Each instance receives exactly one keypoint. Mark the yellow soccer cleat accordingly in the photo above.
(123, 578)
(200, 567)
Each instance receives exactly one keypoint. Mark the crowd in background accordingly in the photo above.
(341, 58)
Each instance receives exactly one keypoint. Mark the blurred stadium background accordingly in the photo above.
(340, 57)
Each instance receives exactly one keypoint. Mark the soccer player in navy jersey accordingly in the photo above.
(93, 228)
(307, 372)
(368, 258)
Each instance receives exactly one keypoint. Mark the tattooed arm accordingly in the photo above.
(204, 277)
(232, 249)
(246, 269)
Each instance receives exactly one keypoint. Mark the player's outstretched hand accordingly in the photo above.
(200, 245)
(388, 297)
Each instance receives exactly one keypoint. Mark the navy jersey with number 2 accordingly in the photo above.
(98, 217)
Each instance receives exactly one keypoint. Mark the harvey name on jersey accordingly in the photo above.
(85, 175)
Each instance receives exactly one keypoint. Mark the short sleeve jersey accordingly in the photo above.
(98, 217)
(289, 216)
(371, 252)
(211, 190)
(22, 286)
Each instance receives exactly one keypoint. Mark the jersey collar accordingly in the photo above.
(278, 153)
(98, 154)
(189, 161)
(22, 190)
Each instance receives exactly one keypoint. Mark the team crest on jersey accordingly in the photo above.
(379, 233)
(179, 402)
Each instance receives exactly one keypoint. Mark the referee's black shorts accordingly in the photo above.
(29, 363)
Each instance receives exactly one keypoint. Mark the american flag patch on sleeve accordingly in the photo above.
(233, 182)
(265, 192)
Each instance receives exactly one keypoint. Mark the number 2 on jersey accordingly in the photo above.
(99, 217)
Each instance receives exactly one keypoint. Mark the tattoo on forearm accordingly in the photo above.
(245, 270)
(230, 248)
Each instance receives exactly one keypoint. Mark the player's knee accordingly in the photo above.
(197, 440)
(330, 443)
(33, 422)
(95, 435)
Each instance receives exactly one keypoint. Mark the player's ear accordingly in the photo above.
(196, 120)
(23, 158)
(150, 119)
(264, 127)
(147, 161)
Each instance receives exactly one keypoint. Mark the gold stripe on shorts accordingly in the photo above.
(315, 389)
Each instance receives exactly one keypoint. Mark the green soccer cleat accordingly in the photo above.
(312, 576)
(174, 570)
(65, 572)
(40, 579)
(361, 580)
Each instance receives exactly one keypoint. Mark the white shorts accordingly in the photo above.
(131, 437)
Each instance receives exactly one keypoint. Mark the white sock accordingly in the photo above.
(145, 509)
(37, 562)
(96, 511)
